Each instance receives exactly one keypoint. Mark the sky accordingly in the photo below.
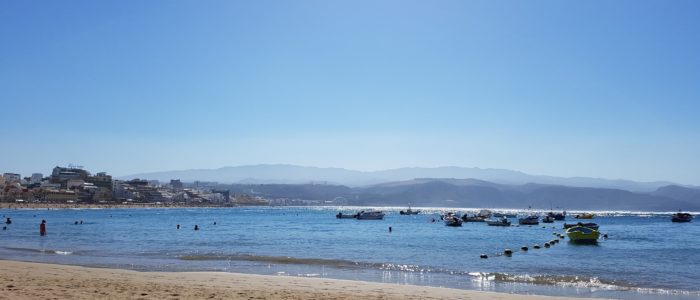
(607, 89)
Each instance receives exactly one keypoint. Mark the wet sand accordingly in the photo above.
(24, 280)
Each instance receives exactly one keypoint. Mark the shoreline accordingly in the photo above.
(13, 205)
(29, 280)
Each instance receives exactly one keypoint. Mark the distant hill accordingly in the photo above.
(290, 174)
(480, 193)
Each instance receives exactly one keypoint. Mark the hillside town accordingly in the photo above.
(75, 185)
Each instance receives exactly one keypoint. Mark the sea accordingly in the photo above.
(645, 256)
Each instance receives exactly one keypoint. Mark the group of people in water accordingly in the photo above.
(42, 225)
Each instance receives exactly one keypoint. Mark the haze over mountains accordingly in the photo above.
(291, 174)
(443, 187)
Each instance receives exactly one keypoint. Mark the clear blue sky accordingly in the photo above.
(605, 89)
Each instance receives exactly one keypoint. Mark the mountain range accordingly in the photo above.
(443, 187)
(435, 192)
(291, 174)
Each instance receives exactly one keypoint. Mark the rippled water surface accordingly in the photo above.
(646, 256)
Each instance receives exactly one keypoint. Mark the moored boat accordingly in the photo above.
(409, 211)
(580, 234)
(370, 215)
(680, 217)
(529, 220)
(548, 219)
(341, 215)
(589, 225)
(584, 216)
(503, 221)
(451, 219)
(559, 216)
(466, 218)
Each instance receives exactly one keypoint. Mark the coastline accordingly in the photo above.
(43, 205)
(28, 280)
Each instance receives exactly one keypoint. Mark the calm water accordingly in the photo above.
(646, 255)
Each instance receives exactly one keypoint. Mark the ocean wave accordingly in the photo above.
(44, 251)
(279, 260)
(593, 283)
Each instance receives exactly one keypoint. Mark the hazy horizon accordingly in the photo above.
(591, 89)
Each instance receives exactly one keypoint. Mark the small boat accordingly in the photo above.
(584, 216)
(409, 211)
(503, 221)
(588, 225)
(548, 219)
(559, 216)
(451, 219)
(370, 215)
(529, 220)
(580, 234)
(680, 217)
(466, 218)
(341, 215)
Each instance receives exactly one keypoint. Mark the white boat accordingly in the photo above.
(370, 215)
(498, 222)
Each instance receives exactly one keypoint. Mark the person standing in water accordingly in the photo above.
(42, 228)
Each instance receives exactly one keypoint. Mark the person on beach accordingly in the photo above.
(42, 228)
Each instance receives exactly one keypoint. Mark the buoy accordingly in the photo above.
(508, 252)
(546, 245)
(605, 236)
(536, 246)
(556, 241)
(561, 236)
(555, 233)
(524, 248)
(483, 256)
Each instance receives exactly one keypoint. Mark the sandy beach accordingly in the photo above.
(25, 280)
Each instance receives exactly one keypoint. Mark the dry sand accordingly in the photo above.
(24, 280)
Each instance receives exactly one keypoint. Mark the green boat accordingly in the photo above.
(581, 234)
